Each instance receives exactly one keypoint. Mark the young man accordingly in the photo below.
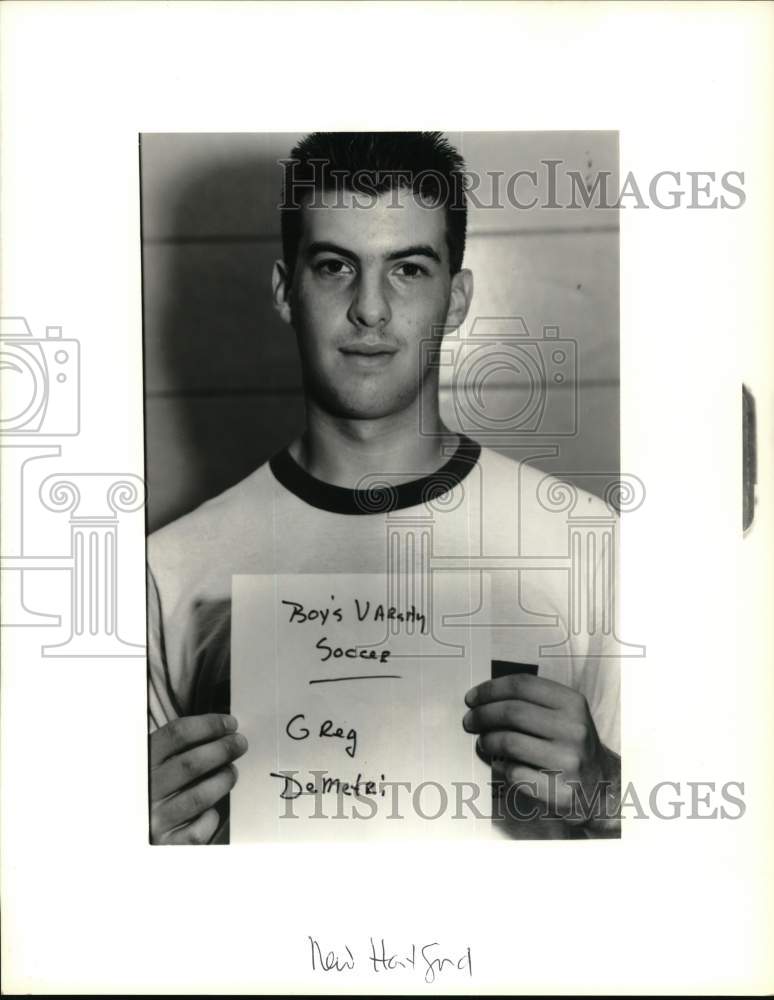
(373, 228)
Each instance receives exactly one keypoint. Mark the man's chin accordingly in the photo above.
(367, 412)
(365, 404)
(368, 409)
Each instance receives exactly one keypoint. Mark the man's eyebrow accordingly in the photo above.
(417, 250)
(325, 247)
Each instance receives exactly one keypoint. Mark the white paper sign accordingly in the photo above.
(353, 709)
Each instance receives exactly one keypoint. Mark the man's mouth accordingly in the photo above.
(369, 355)
(368, 350)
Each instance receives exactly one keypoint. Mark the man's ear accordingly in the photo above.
(280, 289)
(460, 298)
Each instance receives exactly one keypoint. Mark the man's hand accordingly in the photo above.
(536, 726)
(191, 770)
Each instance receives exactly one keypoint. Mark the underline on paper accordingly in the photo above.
(358, 677)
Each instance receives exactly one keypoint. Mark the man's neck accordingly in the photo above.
(343, 452)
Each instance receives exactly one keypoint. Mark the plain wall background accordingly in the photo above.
(222, 381)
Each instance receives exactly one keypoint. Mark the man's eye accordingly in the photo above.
(409, 270)
(333, 267)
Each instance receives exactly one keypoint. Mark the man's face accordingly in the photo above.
(370, 284)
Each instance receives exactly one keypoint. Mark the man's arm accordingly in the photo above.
(190, 758)
(541, 734)
(191, 770)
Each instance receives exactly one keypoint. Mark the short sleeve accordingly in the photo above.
(601, 685)
(161, 701)
(600, 680)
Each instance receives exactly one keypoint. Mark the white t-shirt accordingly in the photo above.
(480, 510)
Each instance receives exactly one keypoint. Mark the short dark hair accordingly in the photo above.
(374, 163)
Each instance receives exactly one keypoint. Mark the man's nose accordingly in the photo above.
(370, 306)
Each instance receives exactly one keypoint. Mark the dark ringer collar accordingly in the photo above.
(377, 495)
